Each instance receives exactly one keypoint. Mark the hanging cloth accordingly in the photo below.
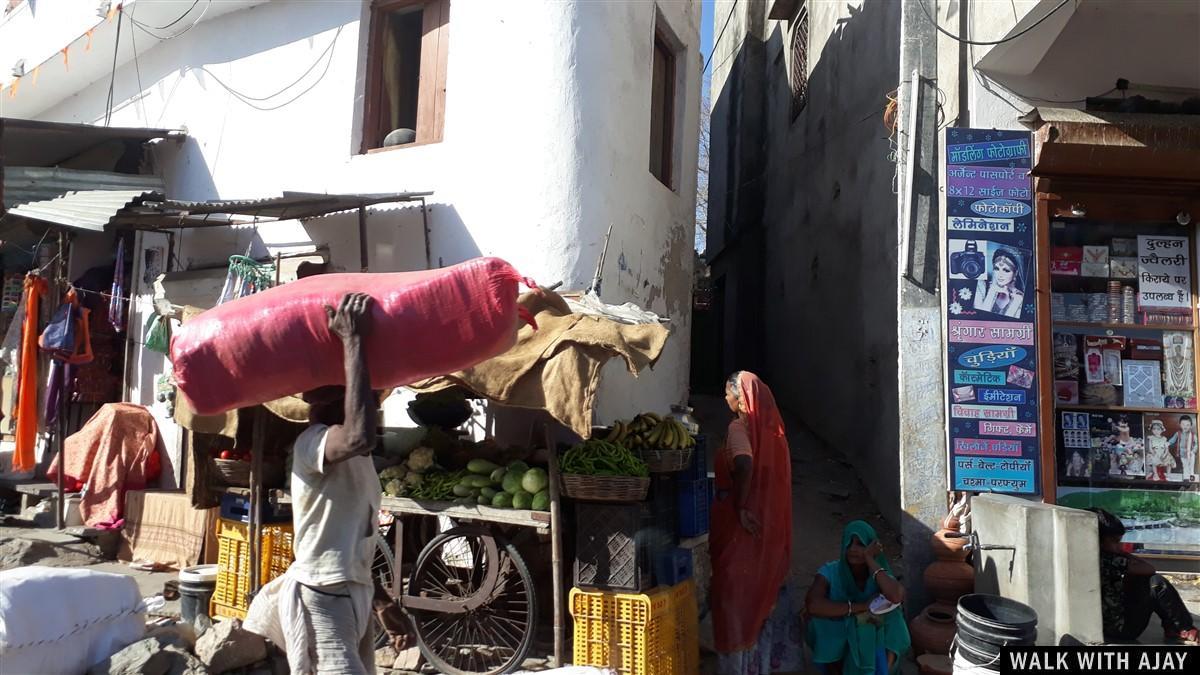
(27, 387)
(116, 303)
(67, 338)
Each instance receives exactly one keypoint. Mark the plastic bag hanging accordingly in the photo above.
(116, 303)
(246, 276)
(158, 334)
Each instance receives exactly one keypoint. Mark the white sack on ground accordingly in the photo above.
(62, 620)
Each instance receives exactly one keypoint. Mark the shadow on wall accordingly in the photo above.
(184, 170)
(829, 253)
(395, 238)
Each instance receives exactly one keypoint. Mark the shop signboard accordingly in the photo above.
(991, 332)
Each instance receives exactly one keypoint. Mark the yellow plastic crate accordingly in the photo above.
(654, 633)
(233, 564)
(687, 625)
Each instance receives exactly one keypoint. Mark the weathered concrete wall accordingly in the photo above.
(736, 182)
(802, 223)
(829, 217)
(1054, 567)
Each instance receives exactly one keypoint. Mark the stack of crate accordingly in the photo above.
(655, 633)
(231, 597)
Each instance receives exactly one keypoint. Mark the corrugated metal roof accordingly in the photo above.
(37, 143)
(24, 184)
(85, 210)
(292, 205)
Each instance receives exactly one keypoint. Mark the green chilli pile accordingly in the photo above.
(435, 486)
(601, 458)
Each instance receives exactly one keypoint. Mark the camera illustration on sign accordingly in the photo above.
(999, 272)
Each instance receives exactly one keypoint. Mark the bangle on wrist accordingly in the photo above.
(876, 572)
(849, 608)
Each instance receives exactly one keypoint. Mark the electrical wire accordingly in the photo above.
(112, 80)
(137, 68)
(147, 29)
(720, 35)
(987, 43)
(177, 19)
(253, 101)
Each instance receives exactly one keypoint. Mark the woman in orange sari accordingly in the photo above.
(755, 625)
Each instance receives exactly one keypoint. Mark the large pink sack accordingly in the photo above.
(277, 342)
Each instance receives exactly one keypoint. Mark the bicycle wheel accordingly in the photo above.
(383, 568)
(495, 636)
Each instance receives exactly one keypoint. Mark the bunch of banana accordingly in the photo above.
(670, 434)
(650, 430)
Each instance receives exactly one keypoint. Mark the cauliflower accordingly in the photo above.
(414, 479)
(394, 488)
(393, 472)
(421, 460)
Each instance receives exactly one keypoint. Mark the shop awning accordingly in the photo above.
(1082, 47)
(288, 206)
(36, 143)
(24, 184)
(1117, 145)
(88, 210)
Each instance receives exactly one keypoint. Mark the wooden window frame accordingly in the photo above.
(666, 42)
(431, 92)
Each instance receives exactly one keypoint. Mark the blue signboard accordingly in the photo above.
(991, 331)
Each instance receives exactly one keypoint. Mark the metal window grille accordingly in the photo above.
(798, 77)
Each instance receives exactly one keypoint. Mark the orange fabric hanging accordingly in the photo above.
(749, 570)
(27, 386)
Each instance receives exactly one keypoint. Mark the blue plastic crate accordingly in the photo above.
(698, 469)
(673, 567)
(694, 499)
(237, 507)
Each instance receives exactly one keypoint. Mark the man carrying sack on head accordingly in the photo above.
(321, 610)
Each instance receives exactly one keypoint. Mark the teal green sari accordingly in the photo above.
(852, 640)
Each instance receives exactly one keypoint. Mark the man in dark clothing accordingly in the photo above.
(1131, 590)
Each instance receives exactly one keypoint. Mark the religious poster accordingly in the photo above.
(990, 312)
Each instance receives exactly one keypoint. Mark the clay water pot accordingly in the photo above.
(947, 581)
(933, 629)
(945, 546)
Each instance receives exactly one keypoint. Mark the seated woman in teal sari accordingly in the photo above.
(845, 636)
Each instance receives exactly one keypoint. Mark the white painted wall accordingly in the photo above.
(545, 144)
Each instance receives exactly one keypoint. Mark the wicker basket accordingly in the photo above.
(236, 473)
(605, 488)
(666, 460)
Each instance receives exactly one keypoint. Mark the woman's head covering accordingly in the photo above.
(865, 534)
(763, 415)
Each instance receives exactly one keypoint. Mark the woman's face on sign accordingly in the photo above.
(1002, 272)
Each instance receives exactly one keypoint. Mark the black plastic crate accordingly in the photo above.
(616, 546)
(698, 469)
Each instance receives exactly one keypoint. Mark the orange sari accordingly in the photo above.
(748, 570)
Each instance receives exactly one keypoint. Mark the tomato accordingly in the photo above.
(225, 454)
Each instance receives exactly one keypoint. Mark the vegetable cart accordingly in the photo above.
(470, 598)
